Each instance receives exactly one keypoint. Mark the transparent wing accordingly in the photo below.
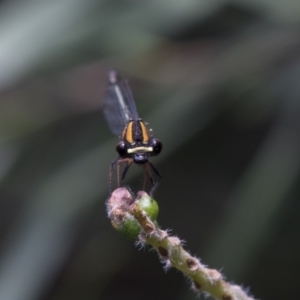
(118, 106)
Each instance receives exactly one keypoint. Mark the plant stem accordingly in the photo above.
(125, 211)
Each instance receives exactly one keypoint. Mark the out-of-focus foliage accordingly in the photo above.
(218, 82)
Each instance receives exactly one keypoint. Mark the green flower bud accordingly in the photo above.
(130, 228)
(118, 206)
(148, 204)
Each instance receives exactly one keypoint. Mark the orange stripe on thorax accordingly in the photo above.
(129, 131)
(136, 131)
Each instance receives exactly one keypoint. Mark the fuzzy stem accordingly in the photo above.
(171, 252)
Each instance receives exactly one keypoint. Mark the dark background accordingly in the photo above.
(218, 81)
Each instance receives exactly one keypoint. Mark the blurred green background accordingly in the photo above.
(218, 81)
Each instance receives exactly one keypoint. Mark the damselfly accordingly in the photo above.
(136, 143)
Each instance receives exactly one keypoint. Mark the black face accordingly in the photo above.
(139, 151)
(140, 158)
